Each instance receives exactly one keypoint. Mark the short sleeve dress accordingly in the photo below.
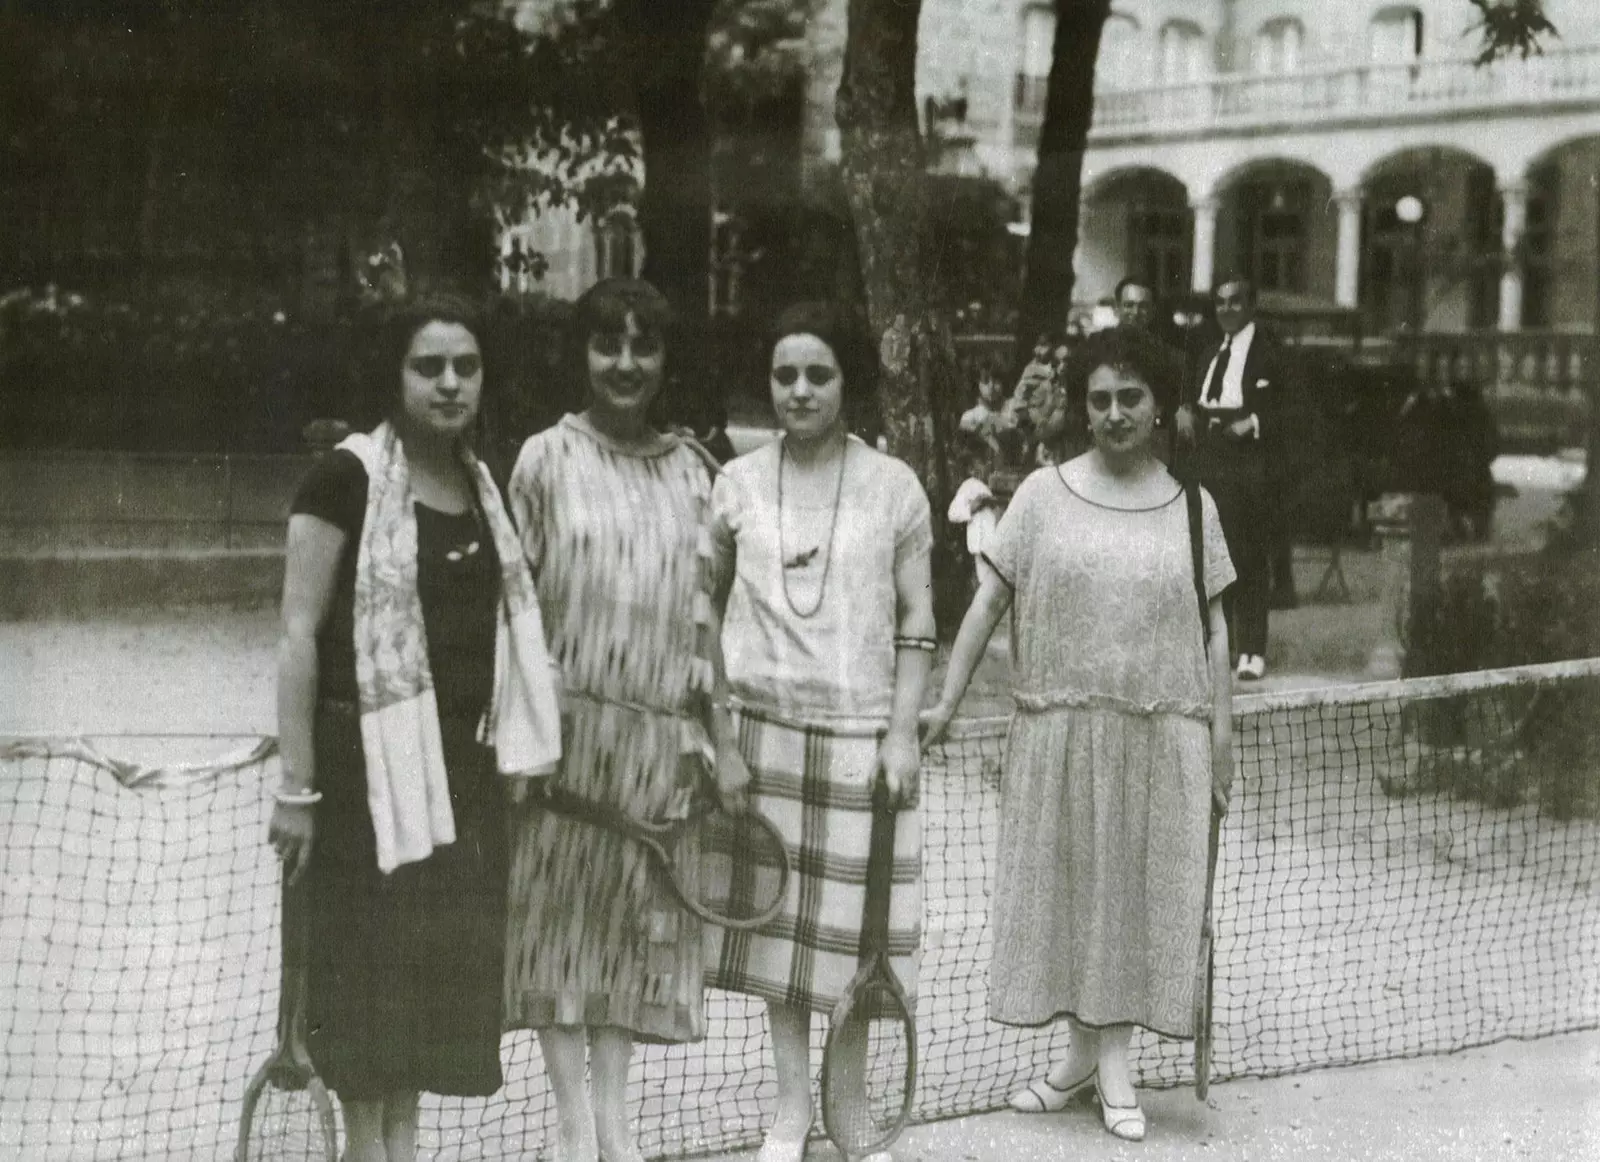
(811, 671)
(1105, 796)
(403, 980)
(619, 546)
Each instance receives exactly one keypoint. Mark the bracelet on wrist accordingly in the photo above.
(296, 798)
(908, 642)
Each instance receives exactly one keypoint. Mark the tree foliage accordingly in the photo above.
(237, 127)
(1512, 27)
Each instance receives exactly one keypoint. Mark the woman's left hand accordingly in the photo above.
(733, 779)
(898, 759)
(1221, 770)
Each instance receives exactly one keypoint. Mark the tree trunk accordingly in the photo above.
(675, 210)
(1057, 181)
(885, 181)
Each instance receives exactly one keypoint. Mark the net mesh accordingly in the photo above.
(1403, 870)
(286, 1125)
(867, 1063)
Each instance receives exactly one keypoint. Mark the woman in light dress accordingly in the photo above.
(823, 549)
(614, 517)
(1120, 738)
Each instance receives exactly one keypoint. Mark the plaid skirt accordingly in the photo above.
(814, 783)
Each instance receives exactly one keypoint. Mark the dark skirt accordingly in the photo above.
(404, 974)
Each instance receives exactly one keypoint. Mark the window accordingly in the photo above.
(1159, 241)
(1038, 47)
(1275, 220)
(617, 245)
(1183, 53)
(1538, 249)
(1278, 46)
(1120, 64)
(1396, 36)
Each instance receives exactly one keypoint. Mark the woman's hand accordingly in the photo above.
(934, 723)
(290, 833)
(733, 779)
(898, 760)
(517, 789)
(1221, 769)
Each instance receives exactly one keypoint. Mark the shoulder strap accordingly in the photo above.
(1197, 556)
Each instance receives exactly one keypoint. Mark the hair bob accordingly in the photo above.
(1125, 349)
(845, 333)
(604, 309)
(389, 341)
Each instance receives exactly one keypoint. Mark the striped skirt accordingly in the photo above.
(814, 783)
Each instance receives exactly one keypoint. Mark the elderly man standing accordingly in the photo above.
(1231, 424)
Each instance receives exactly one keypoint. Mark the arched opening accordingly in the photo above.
(1278, 46)
(1560, 251)
(1395, 35)
(1122, 63)
(1033, 71)
(1182, 53)
(619, 244)
(1135, 222)
(1431, 249)
(1275, 228)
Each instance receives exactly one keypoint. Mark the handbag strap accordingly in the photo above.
(1191, 499)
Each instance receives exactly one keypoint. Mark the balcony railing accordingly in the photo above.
(1541, 385)
(1379, 92)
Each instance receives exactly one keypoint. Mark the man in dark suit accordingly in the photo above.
(1230, 425)
(1138, 309)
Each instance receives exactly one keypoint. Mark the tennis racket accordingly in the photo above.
(869, 1063)
(287, 1113)
(750, 840)
(1205, 968)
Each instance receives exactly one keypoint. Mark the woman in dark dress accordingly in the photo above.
(412, 659)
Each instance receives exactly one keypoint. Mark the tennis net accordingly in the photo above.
(1405, 868)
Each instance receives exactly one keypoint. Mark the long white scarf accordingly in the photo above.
(407, 788)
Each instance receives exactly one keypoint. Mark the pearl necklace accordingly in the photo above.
(805, 558)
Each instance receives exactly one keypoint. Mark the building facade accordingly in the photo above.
(1350, 153)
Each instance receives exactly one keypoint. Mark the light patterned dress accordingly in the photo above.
(620, 549)
(812, 692)
(1105, 795)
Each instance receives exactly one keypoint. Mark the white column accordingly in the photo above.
(1205, 244)
(1514, 195)
(1347, 279)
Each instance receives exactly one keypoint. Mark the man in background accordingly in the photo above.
(1230, 425)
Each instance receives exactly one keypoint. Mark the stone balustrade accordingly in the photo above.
(1361, 92)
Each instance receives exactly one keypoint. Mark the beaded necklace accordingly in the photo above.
(784, 563)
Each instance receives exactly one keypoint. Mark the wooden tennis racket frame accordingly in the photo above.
(289, 1067)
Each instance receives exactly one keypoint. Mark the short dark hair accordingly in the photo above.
(845, 332)
(1128, 280)
(397, 326)
(1231, 277)
(1125, 349)
(604, 309)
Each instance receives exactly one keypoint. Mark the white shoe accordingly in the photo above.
(1126, 1122)
(1252, 668)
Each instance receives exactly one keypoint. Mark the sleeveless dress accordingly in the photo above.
(812, 693)
(403, 979)
(1106, 785)
(620, 552)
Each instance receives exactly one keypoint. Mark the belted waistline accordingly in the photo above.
(1042, 702)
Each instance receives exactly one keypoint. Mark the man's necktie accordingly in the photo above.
(1214, 389)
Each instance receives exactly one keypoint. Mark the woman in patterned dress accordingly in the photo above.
(402, 569)
(614, 518)
(1120, 739)
(824, 543)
